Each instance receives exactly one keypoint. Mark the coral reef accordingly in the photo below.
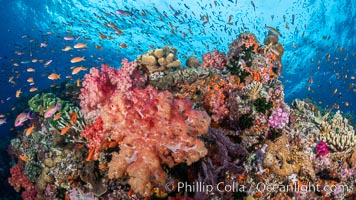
(151, 125)
(18, 180)
(192, 61)
(278, 119)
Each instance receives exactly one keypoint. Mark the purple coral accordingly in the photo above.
(322, 149)
(278, 119)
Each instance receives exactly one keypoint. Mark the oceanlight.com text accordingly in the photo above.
(259, 187)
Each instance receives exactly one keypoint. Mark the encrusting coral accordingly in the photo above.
(278, 159)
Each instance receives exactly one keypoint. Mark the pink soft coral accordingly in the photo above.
(278, 119)
(215, 59)
(99, 85)
(152, 129)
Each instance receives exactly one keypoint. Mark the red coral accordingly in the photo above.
(18, 180)
(215, 101)
(96, 136)
(215, 59)
(98, 85)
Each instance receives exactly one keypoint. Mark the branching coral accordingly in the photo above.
(338, 134)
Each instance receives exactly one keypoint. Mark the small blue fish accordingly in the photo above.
(253, 4)
(124, 13)
(25, 62)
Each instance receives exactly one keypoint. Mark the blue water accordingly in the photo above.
(317, 28)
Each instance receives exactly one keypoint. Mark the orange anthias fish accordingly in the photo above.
(18, 92)
(77, 59)
(67, 48)
(102, 36)
(123, 45)
(57, 116)
(33, 89)
(54, 76)
(30, 130)
(30, 80)
(30, 70)
(78, 69)
(24, 158)
(80, 45)
(65, 130)
(73, 117)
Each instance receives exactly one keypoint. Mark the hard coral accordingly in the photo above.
(338, 134)
(159, 60)
(152, 129)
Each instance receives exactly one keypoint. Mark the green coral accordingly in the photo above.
(261, 105)
(46, 100)
(43, 101)
(32, 170)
